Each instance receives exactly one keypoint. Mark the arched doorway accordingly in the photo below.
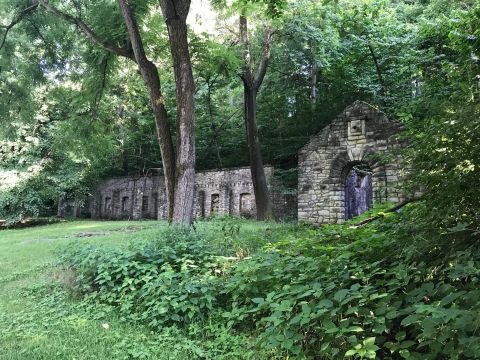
(358, 190)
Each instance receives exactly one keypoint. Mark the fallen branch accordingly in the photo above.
(380, 215)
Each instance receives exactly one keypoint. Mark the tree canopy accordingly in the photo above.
(75, 111)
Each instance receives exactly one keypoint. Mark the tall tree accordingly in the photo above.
(175, 13)
(251, 86)
(179, 170)
(150, 76)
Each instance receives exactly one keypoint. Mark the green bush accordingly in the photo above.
(346, 305)
(338, 291)
(30, 198)
(174, 282)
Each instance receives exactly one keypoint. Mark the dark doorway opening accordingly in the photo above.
(145, 207)
(358, 191)
(246, 205)
(201, 203)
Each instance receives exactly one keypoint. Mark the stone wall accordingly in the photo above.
(227, 192)
(218, 192)
(130, 198)
(360, 135)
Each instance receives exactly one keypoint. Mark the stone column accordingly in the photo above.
(137, 202)
(61, 207)
(225, 206)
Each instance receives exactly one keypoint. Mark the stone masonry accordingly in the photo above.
(343, 170)
(361, 136)
(218, 192)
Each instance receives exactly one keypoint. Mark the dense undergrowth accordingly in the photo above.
(388, 290)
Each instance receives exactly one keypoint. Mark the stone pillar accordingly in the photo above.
(137, 203)
(162, 205)
(61, 207)
(225, 207)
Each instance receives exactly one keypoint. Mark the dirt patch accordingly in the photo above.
(91, 234)
(64, 276)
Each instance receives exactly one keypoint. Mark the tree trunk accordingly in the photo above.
(213, 126)
(313, 85)
(262, 195)
(175, 13)
(313, 77)
(251, 85)
(381, 80)
(151, 79)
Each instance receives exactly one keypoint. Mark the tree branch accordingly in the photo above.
(85, 29)
(40, 35)
(246, 75)
(16, 21)
(134, 33)
(262, 69)
(381, 80)
(392, 209)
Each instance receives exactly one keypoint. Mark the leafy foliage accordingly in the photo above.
(351, 292)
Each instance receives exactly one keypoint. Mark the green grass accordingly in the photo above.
(41, 321)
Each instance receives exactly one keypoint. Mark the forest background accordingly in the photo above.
(73, 113)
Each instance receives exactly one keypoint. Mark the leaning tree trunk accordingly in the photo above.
(151, 79)
(149, 74)
(251, 85)
(175, 13)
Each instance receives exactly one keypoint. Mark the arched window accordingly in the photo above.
(125, 204)
(215, 204)
(246, 205)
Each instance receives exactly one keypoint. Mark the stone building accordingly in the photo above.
(342, 172)
(218, 192)
(350, 165)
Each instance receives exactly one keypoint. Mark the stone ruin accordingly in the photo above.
(218, 192)
(342, 172)
(349, 166)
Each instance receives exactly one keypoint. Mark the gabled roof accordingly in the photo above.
(356, 109)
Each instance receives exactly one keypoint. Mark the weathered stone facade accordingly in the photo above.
(361, 136)
(130, 198)
(342, 171)
(218, 192)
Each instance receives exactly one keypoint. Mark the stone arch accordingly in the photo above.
(360, 134)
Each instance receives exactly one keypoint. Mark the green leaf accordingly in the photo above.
(340, 295)
(355, 329)
(325, 303)
(410, 319)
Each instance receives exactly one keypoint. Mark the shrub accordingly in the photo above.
(339, 292)
(174, 280)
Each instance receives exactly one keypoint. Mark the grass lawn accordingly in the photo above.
(41, 321)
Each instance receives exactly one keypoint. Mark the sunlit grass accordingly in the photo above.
(53, 326)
